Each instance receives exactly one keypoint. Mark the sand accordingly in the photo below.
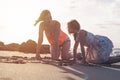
(39, 71)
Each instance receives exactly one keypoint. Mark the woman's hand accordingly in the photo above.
(38, 57)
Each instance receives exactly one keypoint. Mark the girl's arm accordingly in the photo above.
(83, 52)
(82, 42)
(75, 49)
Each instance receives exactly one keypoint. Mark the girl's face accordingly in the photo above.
(71, 30)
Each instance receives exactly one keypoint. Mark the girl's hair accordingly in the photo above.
(73, 24)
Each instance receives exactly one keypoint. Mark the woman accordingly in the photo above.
(98, 48)
(58, 40)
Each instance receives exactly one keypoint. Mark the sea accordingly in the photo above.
(17, 53)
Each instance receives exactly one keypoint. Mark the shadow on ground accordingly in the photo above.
(93, 72)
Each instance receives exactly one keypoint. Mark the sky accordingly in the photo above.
(97, 16)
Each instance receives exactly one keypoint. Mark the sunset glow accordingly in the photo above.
(97, 16)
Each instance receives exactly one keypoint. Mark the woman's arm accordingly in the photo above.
(40, 40)
(56, 38)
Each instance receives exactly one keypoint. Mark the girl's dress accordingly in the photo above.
(98, 48)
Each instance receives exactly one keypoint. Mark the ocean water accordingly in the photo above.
(16, 53)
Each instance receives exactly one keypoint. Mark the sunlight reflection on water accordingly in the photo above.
(16, 53)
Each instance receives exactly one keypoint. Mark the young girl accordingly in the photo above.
(98, 48)
(58, 40)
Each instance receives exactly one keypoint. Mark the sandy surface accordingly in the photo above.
(38, 71)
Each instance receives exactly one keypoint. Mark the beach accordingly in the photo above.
(100, 17)
(40, 71)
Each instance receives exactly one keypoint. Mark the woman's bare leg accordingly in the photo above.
(65, 50)
(54, 55)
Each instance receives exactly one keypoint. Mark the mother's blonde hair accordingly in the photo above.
(45, 14)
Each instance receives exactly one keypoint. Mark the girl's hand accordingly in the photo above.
(83, 61)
